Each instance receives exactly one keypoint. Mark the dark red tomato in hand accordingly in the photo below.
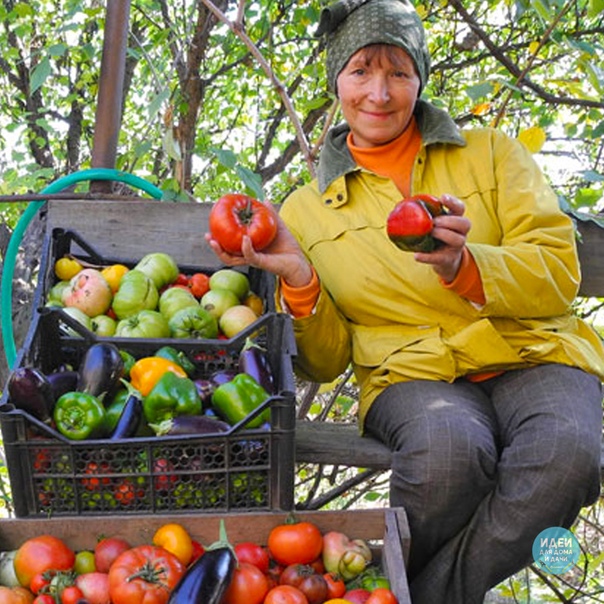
(295, 543)
(254, 554)
(235, 215)
(145, 574)
(409, 225)
(249, 584)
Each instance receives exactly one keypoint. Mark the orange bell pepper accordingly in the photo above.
(146, 372)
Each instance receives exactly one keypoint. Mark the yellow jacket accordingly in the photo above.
(390, 316)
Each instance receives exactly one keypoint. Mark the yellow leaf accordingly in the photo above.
(533, 138)
(534, 47)
(481, 109)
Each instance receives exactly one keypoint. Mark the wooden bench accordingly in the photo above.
(179, 228)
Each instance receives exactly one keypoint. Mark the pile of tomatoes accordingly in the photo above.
(288, 570)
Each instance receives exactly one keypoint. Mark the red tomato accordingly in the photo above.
(254, 554)
(198, 551)
(381, 595)
(235, 215)
(38, 582)
(199, 284)
(336, 587)
(249, 585)
(144, 575)
(357, 596)
(44, 599)
(107, 550)
(71, 595)
(295, 543)
(309, 582)
(40, 554)
(15, 595)
(182, 279)
(95, 587)
(285, 594)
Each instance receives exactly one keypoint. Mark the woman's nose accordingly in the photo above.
(378, 89)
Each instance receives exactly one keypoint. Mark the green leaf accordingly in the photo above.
(39, 74)
(251, 180)
(595, 7)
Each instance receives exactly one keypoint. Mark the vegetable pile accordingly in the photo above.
(153, 299)
(162, 397)
(298, 565)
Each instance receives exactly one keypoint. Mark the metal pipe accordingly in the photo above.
(111, 89)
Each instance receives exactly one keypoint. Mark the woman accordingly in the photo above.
(471, 366)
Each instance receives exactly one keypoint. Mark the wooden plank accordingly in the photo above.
(591, 255)
(397, 542)
(131, 229)
(339, 444)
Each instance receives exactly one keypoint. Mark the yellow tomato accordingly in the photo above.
(66, 268)
(175, 538)
(254, 301)
(113, 275)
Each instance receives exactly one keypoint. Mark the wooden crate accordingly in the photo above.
(385, 529)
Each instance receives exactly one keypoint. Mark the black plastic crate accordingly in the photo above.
(241, 470)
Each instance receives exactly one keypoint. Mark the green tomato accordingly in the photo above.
(159, 267)
(144, 324)
(193, 322)
(103, 325)
(84, 562)
(174, 299)
(55, 294)
(227, 278)
(136, 292)
(80, 317)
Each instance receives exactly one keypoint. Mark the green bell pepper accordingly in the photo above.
(177, 356)
(79, 415)
(171, 396)
(129, 361)
(236, 399)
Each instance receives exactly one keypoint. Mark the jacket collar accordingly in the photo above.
(335, 161)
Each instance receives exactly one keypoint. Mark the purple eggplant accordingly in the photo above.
(63, 382)
(190, 424)
(30, 390)
(222, 377)
(130, 418)
(101, 371)
(253, 360)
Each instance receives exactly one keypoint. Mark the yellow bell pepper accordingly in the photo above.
(146, 372)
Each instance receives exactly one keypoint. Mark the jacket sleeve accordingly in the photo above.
(534, 271)
(323, 341)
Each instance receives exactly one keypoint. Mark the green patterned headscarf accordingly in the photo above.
(349, 25)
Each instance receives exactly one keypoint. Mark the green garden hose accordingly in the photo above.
(8, 270)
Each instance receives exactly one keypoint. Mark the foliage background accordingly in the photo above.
(231, 95)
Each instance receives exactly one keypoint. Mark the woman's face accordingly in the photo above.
(377, 89)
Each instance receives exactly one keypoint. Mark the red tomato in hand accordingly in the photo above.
(249, 585)
(295, 543)
(145, 574)
(39, 554)
(235, 215)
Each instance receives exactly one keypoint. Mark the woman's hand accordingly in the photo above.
(283, 257)
(451, 229)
